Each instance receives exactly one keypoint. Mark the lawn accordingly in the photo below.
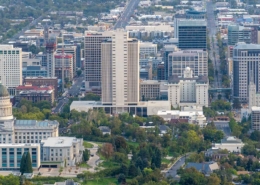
(166, 161)
(133, 143)
(102, 181)
(108, 164)
(84, 165)
(87, 145)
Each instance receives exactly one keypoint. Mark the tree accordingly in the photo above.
(120, 143)
(121, 179)
(85, 155)
(132, 171)
(157, 158)
(79, 72)
(236, 103)
(107, 150)
(192, 176)
(9, 179)
(124, 169)
(213, 179)
(22, 164)
(28, 164)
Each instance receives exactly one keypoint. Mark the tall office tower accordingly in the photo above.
(161, 71)
(69, 50)
(197, 60)
(120, 70)
(238, 33)
(192, 33)
(46, 34)
(50, 52)
(167, 49)
(10, 67)
(246, 65)
(93, 60)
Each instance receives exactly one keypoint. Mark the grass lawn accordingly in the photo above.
(133, 143)
(87, 145)
(84, 165)
(166, 161)
(102, 181)
(108, 164)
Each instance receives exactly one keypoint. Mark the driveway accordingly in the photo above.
(93, 160)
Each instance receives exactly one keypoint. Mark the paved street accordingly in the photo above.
(214, 51)
(173, 170)
(73, 91)
(126, 15)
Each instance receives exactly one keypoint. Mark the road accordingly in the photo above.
(94, 158)
(214, 49)
(223, 126)
(177, 165)
(126, 14)
(73, 91)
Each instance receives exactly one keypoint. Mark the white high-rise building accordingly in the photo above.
(188, 90)
(120, 70)
(10, 67)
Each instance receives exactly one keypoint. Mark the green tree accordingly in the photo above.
(22, 163)
(121, 179)
(86, 155)
(192, 176)
(132, 171)
(28, 164)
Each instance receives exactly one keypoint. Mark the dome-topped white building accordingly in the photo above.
(5, 104)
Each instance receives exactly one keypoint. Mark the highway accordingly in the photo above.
(126, 14)
(214, 49)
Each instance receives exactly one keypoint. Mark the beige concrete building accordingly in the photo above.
(120, 70)
(152, 89)
(61, 149)
(188, 90)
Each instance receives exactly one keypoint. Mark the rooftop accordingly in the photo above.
(231, 139)
(244, 46)
(35, 123)
(192, 22)
(59, 141)
(254, 108)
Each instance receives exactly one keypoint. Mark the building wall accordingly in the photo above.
(10, 67)
(245, 63)
(50, 50)
(197, 60)
(149, 91)
(202, 96)
(92, 54)
(255, 120)
(120, 82)
(11, 155)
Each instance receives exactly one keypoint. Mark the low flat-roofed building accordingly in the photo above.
(38, 95)
(62, 150)
(193, 116)
(148, 48)
(11, 155)
(151, 89)
(141, 109)
(231, 143)
(39, 81)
